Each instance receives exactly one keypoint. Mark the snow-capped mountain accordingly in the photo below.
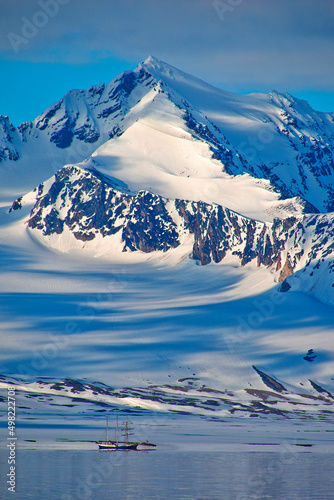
(171, 169)
(163, 130)
(119, 191)
(79, 209)
(187, 395)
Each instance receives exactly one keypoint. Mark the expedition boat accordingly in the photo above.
(119, 445)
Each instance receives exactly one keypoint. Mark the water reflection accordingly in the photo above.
(160, 475)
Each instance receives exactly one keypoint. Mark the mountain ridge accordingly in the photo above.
(80, 203)
(271, 137)
(167, 172)
(173, 242)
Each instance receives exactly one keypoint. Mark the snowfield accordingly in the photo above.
(120, 195)
(141, 320)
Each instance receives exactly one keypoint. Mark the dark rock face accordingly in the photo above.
(205, 222)
(66, 129)
(7, 136)
(320, 389)
(310, 356)
(87, 133)
(8, 154)
(124, 85)
(287, 270)
(149, 226)
(46, 117)
(101, 105)
(64, 136)
(285, 287)
(90, 204)
(93, 207)
(17, 205)
(216, 230)
(270, 382)
(219, 145)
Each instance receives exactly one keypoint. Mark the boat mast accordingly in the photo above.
(107, 429)
(117, 430)
(127, 430)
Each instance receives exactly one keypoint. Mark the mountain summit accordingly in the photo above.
(159, 160)
(164, 130)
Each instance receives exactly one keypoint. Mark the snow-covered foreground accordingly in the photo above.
(170, 331)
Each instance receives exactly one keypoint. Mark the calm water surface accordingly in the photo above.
(160, 475)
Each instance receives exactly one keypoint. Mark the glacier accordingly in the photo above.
(171, 241)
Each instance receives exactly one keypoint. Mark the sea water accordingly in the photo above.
(160, 474)
(195, 459)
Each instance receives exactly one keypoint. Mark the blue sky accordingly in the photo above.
(48, 47)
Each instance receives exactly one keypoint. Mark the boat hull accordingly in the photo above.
(111, 445)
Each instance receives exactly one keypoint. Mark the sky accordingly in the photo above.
(48, 47)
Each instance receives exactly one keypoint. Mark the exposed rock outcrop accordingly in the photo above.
(89, 204)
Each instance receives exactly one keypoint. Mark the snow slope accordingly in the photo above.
(186, 136)
(275, 136)
(143, 321)
(96, 280)
(82, 210)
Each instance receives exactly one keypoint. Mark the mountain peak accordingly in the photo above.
(152, 60)
(273, 137)
(179, 80)
(159, 68)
